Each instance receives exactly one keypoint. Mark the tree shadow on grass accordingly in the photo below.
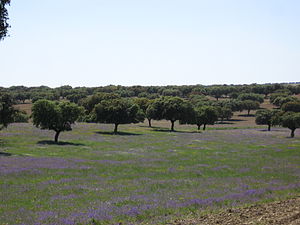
(272, 130)
(148, 126)
(5, 154)
(246, 115)
(118, 133)
(235, 120)
(176, 131)
(47, 142)
(224, 122)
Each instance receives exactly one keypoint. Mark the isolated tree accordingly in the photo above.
(7, 111)
(3, 18)
(57, 116)
(172, 109)
(291, 120)
(118, 111)
(250, 105)
(267, 117)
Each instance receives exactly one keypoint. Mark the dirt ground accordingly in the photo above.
(286, 212)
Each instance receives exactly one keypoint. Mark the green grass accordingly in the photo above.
(142, 175)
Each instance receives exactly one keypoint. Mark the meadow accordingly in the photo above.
(143, 175)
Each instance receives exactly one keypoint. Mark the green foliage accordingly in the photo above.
(143, 103)
(294, 89)
(75, 97)
(291, 120)
(90, 102)
(224, 113)
(21, 96)
(199, 100)
(150, 113)
(235, 105)
(267, 117)
(172, 109)
(3, 18)
(57, 116)
(202, 115)
(275, 95)
(293, 106)
(118, 111)
(280, 100)
(216, 92)
(7, 112)
(47, 95)
(251, 96)
(250, 105)
(171, 92)
(21, 117)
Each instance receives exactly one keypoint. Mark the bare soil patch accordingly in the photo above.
(285, 212)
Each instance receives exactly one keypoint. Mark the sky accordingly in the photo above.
(151, 42)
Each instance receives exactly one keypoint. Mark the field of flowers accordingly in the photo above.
(143, 175)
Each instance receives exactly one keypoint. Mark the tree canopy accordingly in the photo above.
(3, 18)
(202, 115)
(57, 116)
(293, 106)
(250, 105)
(7, 112)
(267, 117)
(251, 96)
(118, 111)
(291, 120)
(171, 108)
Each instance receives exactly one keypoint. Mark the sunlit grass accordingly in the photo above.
(142, 175)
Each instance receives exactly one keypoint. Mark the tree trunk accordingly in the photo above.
(172, 125)
(56, 136)
(269, 127)
(204, 126)
(293, 133)
(199, 125)
(149, 122)
(116, 128)
(249, 112)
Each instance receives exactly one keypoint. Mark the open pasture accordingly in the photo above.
(142, 175)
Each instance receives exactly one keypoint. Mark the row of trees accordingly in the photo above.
(112, 109)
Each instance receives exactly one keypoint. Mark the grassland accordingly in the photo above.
(143, 175)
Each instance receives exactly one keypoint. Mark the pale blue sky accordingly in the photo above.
(151, 42)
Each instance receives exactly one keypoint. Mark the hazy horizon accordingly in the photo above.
(151, 43)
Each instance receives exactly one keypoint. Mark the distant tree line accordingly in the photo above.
(22, 94)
